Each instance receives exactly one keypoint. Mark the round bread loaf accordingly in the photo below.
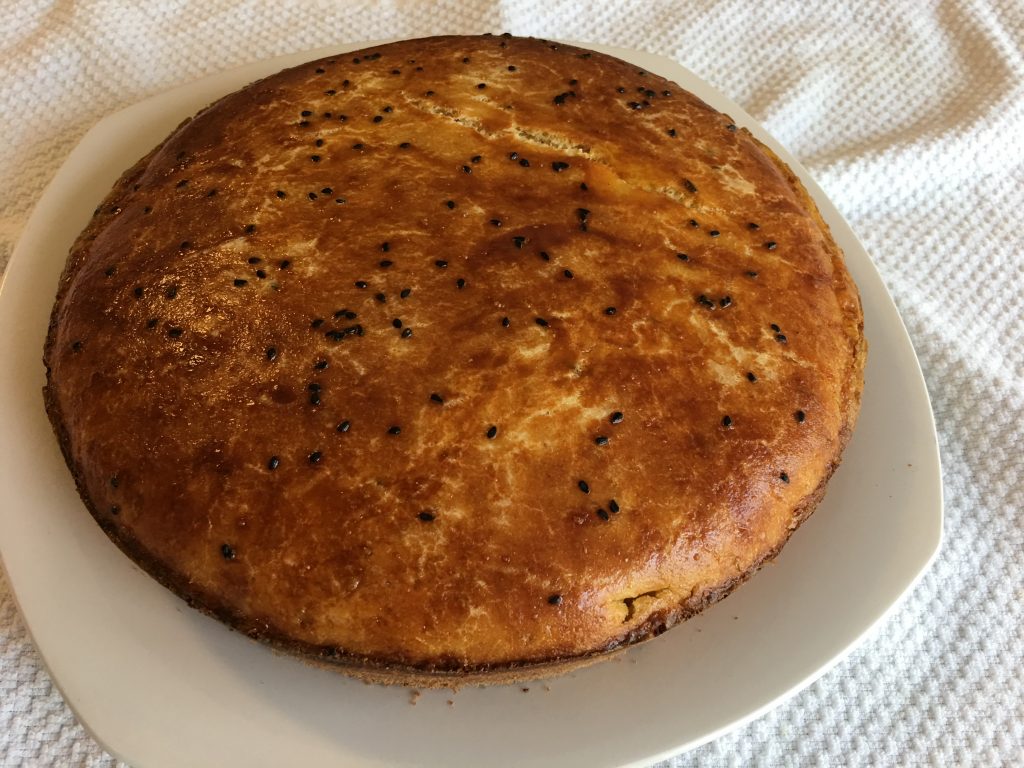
(455, 359)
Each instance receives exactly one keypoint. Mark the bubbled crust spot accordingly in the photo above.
(463, 358)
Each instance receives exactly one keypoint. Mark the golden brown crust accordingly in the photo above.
(204, 328)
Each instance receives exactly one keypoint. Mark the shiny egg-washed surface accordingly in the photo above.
(457, 356)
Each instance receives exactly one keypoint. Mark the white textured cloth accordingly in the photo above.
(910, 116)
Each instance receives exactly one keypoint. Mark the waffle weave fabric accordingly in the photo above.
(910, 116)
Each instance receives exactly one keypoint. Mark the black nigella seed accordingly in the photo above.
(671, 132)
(560, 98)
(389, 109)
(261, 274)
(377, 118)
(466, 169)
(752, 225)
(212, 193)
(683, 257)
(555, 599)
(395, 430)
(775, 327)
(319, 142)
(327, 191)
(436, 398)
(358, 146)
(407, 333)
(396, 323)
(730, 127)
(525, 163)
(714, 233)
(582, 214)
(690, 186)
(558, 166)
(770, 245)
(513, 155)
(601, 440)
(519, 241)
(481, 86)
(725, 301)
(404, 145)
(254, 260)
(316, 322)
(568, 273)
(541, 322)
(751, 273)
(315, 457)
(138, 291)
(496, 222)
(704, 301)
(305, 113)
(475, 159)
(345, 426)
(781, 338)
(583, 186)
(492, 432)
(271, 353)
(151, 323)
(115, 510)
(385, 263)
(181, 183)
(171, 292)
(315, 158)
(582, 485)
(751, 377)
(76, 346)
(544, 255)
(273, 463)
(405, 293)
(620, 89)
(175, 333)
(312, 195)
(185, 245)
(427, 517)
(694, 223)
(511, 67)
(610, 310)
(800, 417)
(616, 417)
(602, 514)
(114, 481)
(727, 422)
(613, 506)
(460, 283)
(314, 398)
(666, 93)
(784, 477)
(381, 298)
(227, 551)
(450, 204)
(441, 264)
(321, 364)
(360, 284)
(505, 322)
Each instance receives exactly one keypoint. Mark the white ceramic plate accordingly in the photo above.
(160, 685)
